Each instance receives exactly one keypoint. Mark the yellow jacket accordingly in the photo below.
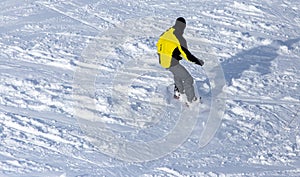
(166, 44)
(169, 47)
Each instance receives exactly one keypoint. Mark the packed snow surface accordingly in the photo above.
(82, 92)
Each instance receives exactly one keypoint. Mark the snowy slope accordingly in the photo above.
(82, 93)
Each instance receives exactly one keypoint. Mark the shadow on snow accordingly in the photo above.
(259, 57)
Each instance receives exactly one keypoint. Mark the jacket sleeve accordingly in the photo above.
(188, 54)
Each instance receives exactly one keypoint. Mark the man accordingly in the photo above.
(171, 47)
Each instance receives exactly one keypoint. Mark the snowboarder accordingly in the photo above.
(171, 47)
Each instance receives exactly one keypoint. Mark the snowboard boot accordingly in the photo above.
(194, 102)
(177, 94)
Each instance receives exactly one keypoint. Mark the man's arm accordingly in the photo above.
(191, 57)
(188, 54)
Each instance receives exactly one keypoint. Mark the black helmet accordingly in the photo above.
(180, 19)
(180, 25)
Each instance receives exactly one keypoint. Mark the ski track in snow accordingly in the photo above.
(42, 42)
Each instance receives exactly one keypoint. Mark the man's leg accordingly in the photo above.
(183, 81)
(177, 79)
(189, 88)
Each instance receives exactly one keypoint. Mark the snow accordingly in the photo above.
(82, 93)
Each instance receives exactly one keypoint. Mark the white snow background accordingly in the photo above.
(45, 44)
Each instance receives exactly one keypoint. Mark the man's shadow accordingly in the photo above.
(259, 57)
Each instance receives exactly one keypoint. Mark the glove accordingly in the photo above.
(200, 62)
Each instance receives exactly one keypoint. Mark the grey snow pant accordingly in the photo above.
(183, 81)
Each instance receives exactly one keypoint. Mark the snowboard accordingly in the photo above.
(182, 99)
